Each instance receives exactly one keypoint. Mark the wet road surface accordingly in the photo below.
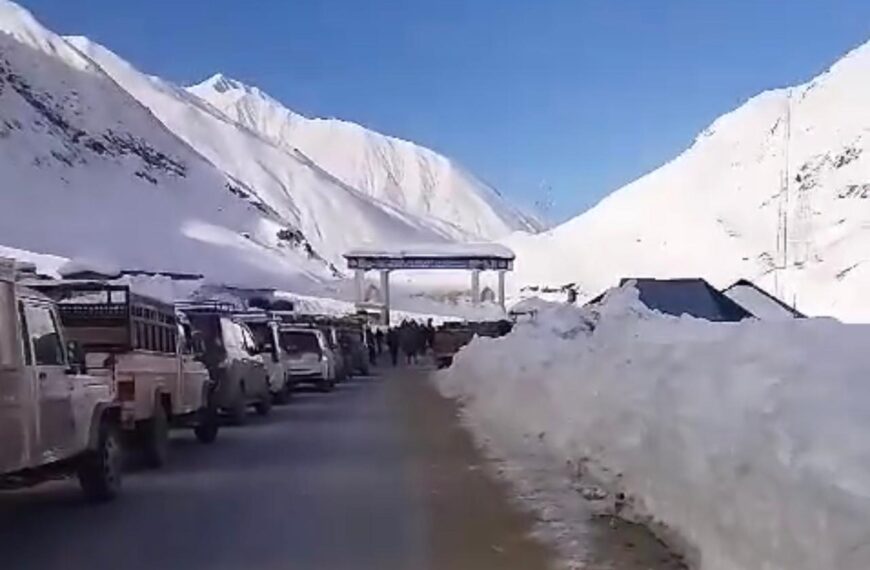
(376, 475)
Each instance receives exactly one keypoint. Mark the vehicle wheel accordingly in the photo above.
(264, 406)
(99, 471)
(281, 397)
(239, 412)
(326, 385)
(155, 444)
(207, 424)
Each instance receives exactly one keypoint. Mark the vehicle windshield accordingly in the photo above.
(300, 342)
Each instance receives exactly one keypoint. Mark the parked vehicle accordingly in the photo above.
(230, 353)
(336, 355)
(55, 420)
(311, 359)
(138, 343)
(448, 339)
(451, 337)
(354, 349)
(264, 326)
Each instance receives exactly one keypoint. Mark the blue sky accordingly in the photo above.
(579, 96)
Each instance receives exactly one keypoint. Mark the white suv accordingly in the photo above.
(55, 421)
(310, 359)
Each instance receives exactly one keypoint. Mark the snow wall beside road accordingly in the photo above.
(749, 440)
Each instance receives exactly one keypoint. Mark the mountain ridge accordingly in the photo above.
(389, 168)
(720, 209)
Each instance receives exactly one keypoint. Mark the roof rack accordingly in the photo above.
(12, 269)
(207, 307)
(7, 269)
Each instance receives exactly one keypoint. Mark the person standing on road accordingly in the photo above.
(370, 344)
(393, 345)
(408, 340)
(379, 339)
(429, 333)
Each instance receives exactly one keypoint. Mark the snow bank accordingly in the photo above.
(749, 440)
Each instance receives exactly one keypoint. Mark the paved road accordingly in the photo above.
(378, 475)
(368, 477)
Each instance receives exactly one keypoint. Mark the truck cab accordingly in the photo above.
(55, 420)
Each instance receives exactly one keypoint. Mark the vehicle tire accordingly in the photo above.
(155, 439)
(281, 397)
(238, 414)
(207, 424)
(264, 406)
(99, 470)
(326, 385)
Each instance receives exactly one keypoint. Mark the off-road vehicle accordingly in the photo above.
(55, 420)
(141, 346)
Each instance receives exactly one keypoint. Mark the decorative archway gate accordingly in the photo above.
(471, 257)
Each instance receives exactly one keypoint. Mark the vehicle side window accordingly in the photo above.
(42, 329)
(248, 339)
(25, 336)
(232, 333)
(183, 336)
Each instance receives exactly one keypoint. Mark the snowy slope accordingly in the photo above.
(331, 215)
(87, 172)
(713, 211)
(395, 171)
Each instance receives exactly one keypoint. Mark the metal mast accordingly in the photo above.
(781, 262)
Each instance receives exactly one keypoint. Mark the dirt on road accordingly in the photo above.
(474, 524)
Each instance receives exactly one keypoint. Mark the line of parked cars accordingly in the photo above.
(90, 370)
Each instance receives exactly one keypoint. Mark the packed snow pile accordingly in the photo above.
(720, 210)
(748, 440)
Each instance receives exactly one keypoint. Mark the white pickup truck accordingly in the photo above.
(55, 420)
(141, 345)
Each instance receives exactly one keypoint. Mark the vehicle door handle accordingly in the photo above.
(42, 376)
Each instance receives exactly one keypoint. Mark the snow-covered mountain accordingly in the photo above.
(398, 172)
(331, 215)
(87, 172)
(103, 162)
(715, 210)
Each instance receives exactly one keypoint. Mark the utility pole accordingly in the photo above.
(544, 203)
(781, 264)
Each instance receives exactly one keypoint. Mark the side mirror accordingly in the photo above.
(75, 355)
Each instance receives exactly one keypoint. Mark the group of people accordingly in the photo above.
(411, 338)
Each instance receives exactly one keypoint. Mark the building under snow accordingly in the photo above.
(760, 303)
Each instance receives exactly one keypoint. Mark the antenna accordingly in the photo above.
(544, 203)
(781, 262)
(803, 224)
